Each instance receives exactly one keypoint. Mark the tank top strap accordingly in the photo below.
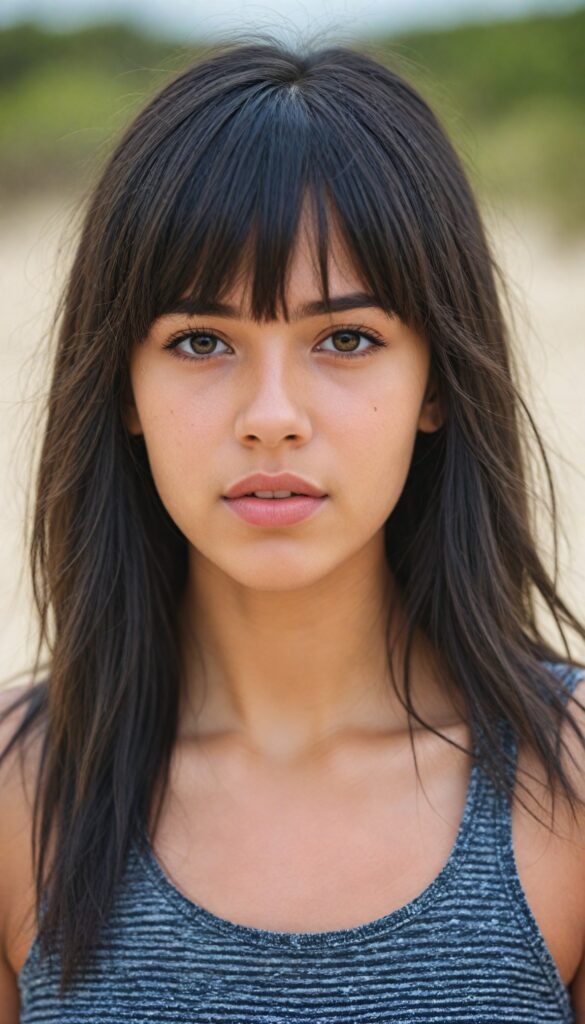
(491, 851)
(509, 878)
(570, 676)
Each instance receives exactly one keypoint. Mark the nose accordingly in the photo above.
(274, 403)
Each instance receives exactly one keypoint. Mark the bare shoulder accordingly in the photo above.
(18, 765)
(550, 853)
(576, 770)
(17, 780)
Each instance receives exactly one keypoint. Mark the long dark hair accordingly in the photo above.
(208, 179)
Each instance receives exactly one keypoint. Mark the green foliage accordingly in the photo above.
(511, 94)
(65, 96)
(109, 49)
(493, 68)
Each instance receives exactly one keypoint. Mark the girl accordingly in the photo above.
(303, 752)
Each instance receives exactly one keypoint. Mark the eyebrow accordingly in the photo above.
(318, 307)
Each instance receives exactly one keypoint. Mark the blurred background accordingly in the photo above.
(507, 79)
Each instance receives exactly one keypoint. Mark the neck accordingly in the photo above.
(289, 673)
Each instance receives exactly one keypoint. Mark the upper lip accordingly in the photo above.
(279, 482)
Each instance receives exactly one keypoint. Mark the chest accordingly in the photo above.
(333, 850)
(334, 846)
(290, 856)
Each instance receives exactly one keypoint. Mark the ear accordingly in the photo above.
(432, 413)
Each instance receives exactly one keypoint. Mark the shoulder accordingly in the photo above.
(549, 840)
(575, 764)
(572, 737)
(572, 742)
(18, 761)
(18, 755)
(18, 769)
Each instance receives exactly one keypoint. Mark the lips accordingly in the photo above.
(276, 482)
(275, 512)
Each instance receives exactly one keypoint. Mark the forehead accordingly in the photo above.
(303, 281)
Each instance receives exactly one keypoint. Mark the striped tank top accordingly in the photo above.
(466, 949)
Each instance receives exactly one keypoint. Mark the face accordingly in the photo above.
(335, 397)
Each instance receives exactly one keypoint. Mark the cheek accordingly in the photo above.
(181, 434)
(375, 438)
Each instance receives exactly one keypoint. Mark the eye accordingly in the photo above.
(200, 344)
(347, 336)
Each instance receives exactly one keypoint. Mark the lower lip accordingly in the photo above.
(274, 511)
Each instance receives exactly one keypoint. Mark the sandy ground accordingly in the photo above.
(547, 281)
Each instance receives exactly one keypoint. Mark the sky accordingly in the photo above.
(212, 18)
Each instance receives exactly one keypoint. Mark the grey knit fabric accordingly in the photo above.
(467, 949)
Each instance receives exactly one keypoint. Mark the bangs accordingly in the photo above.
(233, 184)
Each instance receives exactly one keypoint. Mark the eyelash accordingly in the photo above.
(372, 336)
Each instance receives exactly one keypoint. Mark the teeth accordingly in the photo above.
(272, 494)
